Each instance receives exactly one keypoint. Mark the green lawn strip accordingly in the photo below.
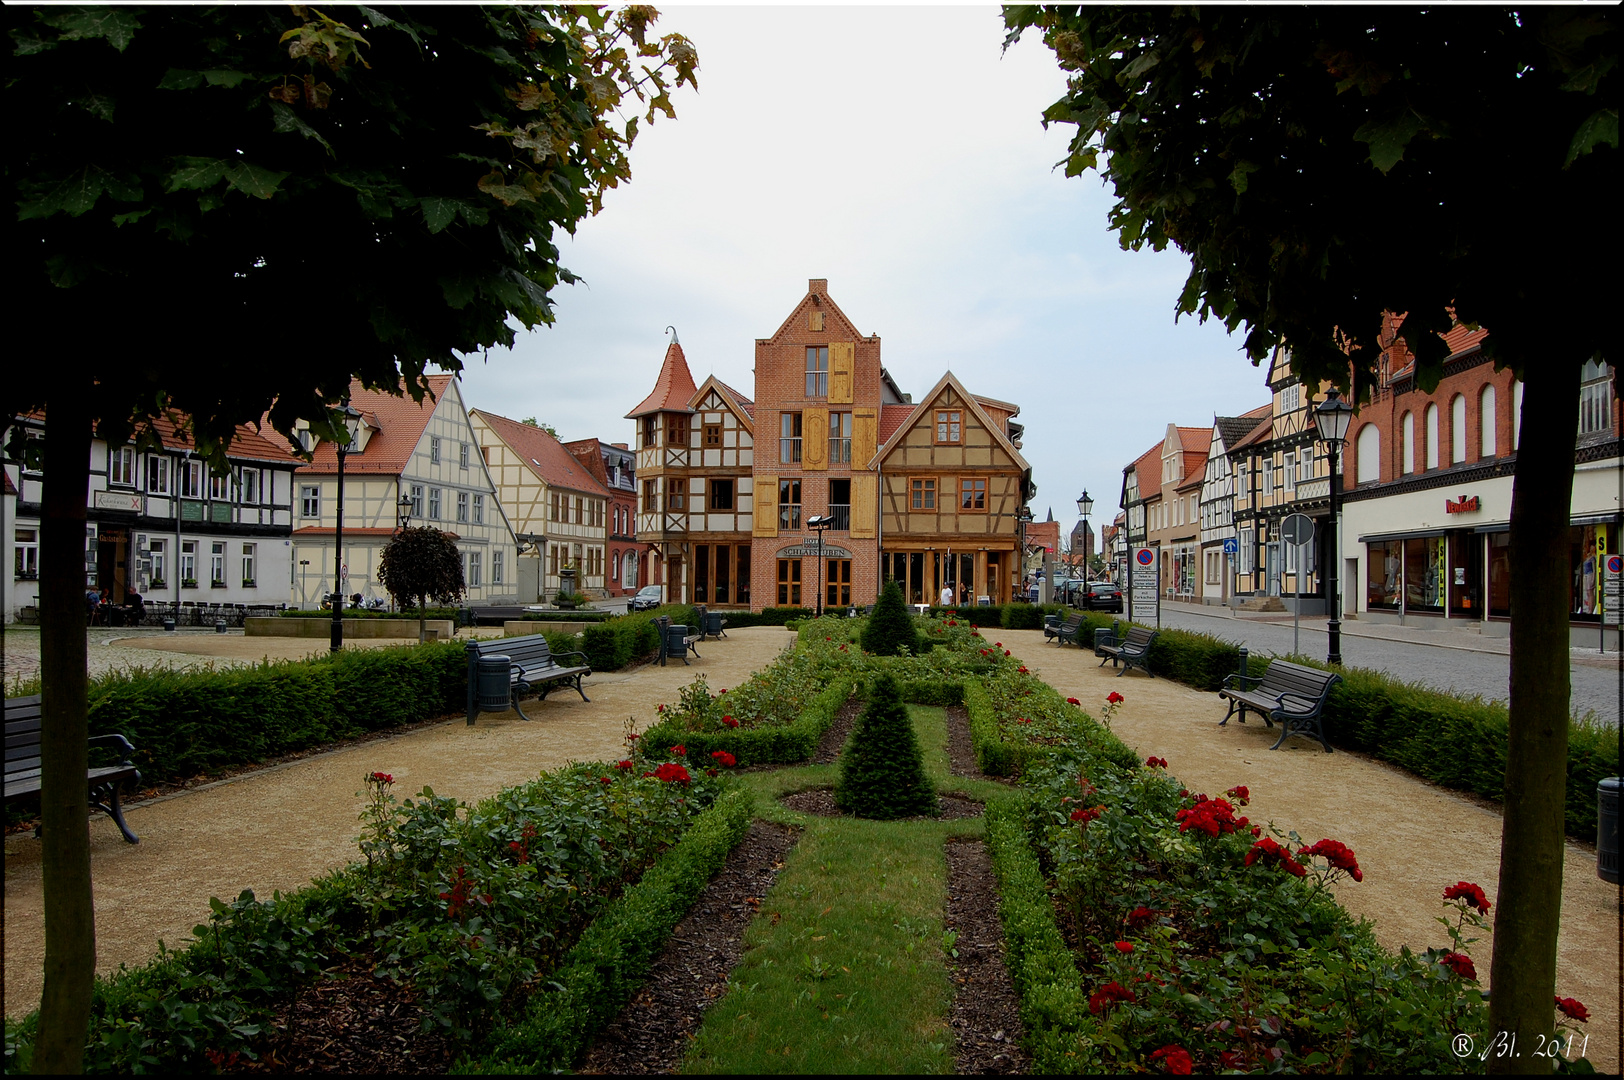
(843, 970)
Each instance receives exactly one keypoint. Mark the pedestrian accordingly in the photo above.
(946, 599)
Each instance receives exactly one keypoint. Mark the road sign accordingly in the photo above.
(1144, 592)
(1232, 546)
(1612, 589)
(1297, 529)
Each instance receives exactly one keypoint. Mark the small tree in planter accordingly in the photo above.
(882, 771)
(421, 563)
(890, 626)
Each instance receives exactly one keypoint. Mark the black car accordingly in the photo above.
(1103, 596)
(648, 598)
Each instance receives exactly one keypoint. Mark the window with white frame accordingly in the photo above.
(1369, 455)
(1246, 556)
(1268, 477)
(1408, 430)
(462, 506)
(25, 557)
(248, 485)
(417, 500)
(479, 509)
(191, 479)
(121, 466)
(217, 563)
(462, 455)
(1291, 397)
(156, 550)
(188, 562)
(1288, 474)
(250, 554)
(157, 474)
(1432, 436)
(1487, 419)
(473, 570)
(309, 501)
(1305, 464)
(434, 504)
(496, 567)
(1595, 398)
(434, 449)
(1457, 429)
(1214, 561)
(220, 487)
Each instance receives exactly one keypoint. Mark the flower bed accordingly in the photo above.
(471, 908)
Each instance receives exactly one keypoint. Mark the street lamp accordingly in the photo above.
(1332, 417)
(1022, 519)
(1085, 506)
(403, 519)
(351, 419)
(820, 524)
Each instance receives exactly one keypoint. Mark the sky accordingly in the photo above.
(899, 153)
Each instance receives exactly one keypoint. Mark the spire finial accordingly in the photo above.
(673, 330)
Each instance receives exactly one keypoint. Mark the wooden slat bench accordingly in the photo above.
(1132, 651)
(23, 721)
(532, 668)
(1290, 693)
(1069, 631)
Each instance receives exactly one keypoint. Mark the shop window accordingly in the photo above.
(1500, 575)
(1383, 566)
(1424, 573)
(1588, 545)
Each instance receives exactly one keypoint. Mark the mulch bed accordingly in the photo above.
(652, 1032)
(986, 1016)
(821, 801)
(961, 751)
(834, 739)
(350, 1022)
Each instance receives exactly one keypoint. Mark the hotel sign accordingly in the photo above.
(810, 551)
(1466, 504)
(117, 500)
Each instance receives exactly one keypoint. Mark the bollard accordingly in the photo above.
(1607, 829)
(169, 624)
(1245, 669)
(219, 626)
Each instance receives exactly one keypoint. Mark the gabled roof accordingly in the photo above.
(1232, 429)
(1195, 442)
(1459, 338)
(740, 405)
(398, 422)
(1148, 468)
(674, 388)
(262, 445)
(1261, 433)
(817, 299)
(544, 455)
(891, 418)
(590, 457)
(927, 402)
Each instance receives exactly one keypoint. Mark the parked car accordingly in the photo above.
(1103, 596)
(648, 598)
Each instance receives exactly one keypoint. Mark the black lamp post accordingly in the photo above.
(351, 419)
(1332, 417)
(403, 519)
(1085, 506)
(820, 524)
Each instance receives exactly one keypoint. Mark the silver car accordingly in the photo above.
(648, 598)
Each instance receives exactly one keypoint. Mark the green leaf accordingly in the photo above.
(1388, 137)
(285, 119)
(438, 213)
(30, 43)
(253, 180)
(1237, 176)
(117, 25)
(72, 196)
(219, 77)
(132, 216)
(196, 173)
(495, 185)
(99, 105)
(180, 79)
(1599, 128)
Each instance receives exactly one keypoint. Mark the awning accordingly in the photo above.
(1413, 534)
(1593, 519)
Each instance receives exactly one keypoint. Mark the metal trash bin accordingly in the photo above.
(169, 623)
(219, 626)
(1607, 828)
(493, 683)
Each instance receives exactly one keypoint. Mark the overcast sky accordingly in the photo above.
(899, 154)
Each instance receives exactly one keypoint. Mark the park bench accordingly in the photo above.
(23, 717)
(1290, 693)
(532, 667)
(1066, 631)
(676, 640)
(1131, 652)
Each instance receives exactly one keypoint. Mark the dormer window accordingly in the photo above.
(949, 426)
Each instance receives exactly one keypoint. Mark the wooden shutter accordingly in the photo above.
(765, 501)
(864, 495)
(864, 437)
(842, 362)
(815, 439)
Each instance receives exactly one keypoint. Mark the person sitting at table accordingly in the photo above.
(135, 608)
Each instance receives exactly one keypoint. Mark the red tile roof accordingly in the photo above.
(588, 453)
(1148, 467)
(891, 418)
(546, 456)
(673, 390)
(400, 423)
(1196, 442)
(743, 402)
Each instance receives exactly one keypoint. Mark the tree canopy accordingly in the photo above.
(1320, 165)
(231, 209)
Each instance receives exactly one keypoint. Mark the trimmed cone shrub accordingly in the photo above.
(890, 626)
(882, 772)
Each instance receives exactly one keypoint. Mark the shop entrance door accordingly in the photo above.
(1466, 592)
(112, 561)
(1271, 566)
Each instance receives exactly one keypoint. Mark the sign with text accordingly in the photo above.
(117, 500)
(1144, 591)
(810, 551)
(1466, 504)
(1612, 589)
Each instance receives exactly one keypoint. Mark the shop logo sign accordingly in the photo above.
(1466, 504)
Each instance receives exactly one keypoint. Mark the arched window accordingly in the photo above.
(1457, 429)
(1432, 436)
(1487, 421)
(1369, 468)
(1516, 414)
(1409, 442)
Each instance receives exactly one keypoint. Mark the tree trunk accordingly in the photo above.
(70, 917)
(1533, 837)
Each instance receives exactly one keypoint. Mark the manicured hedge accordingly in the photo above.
(1454, 741)
(567, 616)
(368, 613)
(1053, 1000)
(773, 616)
(614, 955)
(760, 746)
(186, 722)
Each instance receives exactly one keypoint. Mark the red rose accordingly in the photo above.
(724, 759)
(679, 751)
(1084, 815)
(1175, 1059)
(1155, 763)
(383, 778)
(1124, 947)
(624, 766)
(1460, 964)
(671, 772)
(1338, 854)
(606, 780)
(1211, 816)
(1020, 670)
(1073, 701)
(1472, 894)
(1267, 851)
(1114, 698)
(1108, 995)
(1141, 916)
(1573, 1008)
(1239, 794)
(729, 721)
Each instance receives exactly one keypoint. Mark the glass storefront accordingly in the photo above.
(1424, 573)
(1383, 563)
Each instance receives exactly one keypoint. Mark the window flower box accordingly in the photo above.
(188, 583)
(248, 583)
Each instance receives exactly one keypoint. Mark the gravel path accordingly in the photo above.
(278, 828)
(1412, 838)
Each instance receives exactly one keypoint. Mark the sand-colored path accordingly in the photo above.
(1412, 839)
(278, 828)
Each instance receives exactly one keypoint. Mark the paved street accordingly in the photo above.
(1456, 661)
